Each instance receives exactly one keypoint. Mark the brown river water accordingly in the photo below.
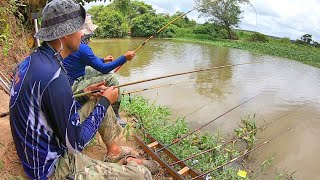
(288, 88)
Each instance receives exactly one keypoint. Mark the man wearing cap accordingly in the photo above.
(84, 67)
(45, 124)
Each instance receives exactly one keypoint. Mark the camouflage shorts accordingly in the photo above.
(93, 76)
(81, 167)
(109, 128)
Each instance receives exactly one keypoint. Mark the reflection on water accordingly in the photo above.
(287, 87)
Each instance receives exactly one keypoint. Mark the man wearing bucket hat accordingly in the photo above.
(85, 68)
(46, 126)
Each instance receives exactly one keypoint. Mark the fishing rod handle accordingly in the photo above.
(86, 93)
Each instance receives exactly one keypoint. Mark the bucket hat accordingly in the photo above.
(61, 18)
(89, 27)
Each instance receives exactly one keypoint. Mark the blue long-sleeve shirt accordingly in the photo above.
(43, 114)
(76, 62)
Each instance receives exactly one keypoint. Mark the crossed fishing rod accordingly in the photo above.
(156, 78)
(232, 140)
(245, 153)
(166, 76)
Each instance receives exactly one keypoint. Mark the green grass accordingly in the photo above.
(156, 121)
(305, 54)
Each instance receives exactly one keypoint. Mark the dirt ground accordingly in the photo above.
(10, 166)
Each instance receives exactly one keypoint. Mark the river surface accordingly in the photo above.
(284, 88)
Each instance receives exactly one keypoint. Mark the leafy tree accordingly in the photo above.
(207, 28)
(148, 24)
(285, 40)
(225, 13)
(183, 22)
(122, 5)
(258, 37)
(307, 38)
(137, 8)
(88, 1)
(112, 23)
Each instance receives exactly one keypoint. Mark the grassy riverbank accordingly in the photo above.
(281, 48)
(156, 120)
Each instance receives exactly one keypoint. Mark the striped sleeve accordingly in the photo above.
(61, 112)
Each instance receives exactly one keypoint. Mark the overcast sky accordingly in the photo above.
(282, 18)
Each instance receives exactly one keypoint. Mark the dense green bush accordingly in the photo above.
(147, 24)
(285, 40)
(222, 34)
(243, 34)
(204, 29)
(258, 37)
(181, 32)
(112, 24)
(300, 42)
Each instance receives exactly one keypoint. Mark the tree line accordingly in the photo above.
(141, 20)
(135, 18)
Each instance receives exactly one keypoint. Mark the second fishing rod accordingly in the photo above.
(161, 29)
(166, 76)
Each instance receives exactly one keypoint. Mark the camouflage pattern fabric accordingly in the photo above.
(109, 128)
(82, 167)
(93, 76)
(79, 166)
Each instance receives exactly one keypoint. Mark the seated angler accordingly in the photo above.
(50, 128)
(85, 68)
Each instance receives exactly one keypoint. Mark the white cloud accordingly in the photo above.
(284, 18)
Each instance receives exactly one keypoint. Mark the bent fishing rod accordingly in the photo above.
(197, 129)
(167, 76)
(233, 139)
(161, 29)
(246, 153)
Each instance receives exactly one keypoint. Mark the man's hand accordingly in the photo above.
(94, 87)
(111, 93)
(109, 58)
(129, 55)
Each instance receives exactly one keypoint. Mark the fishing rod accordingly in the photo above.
(233, 139)
(161, 29)
(203, 152)
(155, 87)
(197, 109)
(4, 86)
(4, 77)
(246, 153)
(183, 137)
(161, 77)
(145, 89)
